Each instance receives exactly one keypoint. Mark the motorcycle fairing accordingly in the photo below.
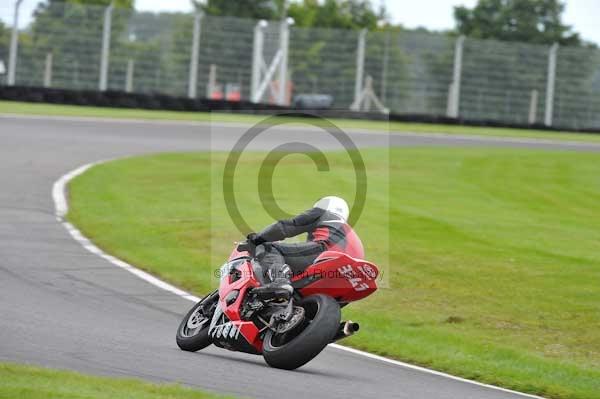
(338, 275)
(227, 329)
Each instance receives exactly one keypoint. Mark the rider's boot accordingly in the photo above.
(280, 286)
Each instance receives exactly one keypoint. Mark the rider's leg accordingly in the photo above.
(282, 261)
(270, 259)
(274, 270)
(300, 255)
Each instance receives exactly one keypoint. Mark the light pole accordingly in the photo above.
(14, 46)
(284, 43)
(453, 107)
(257, 58)
(550, 85)
(194, 56)
(105, 54)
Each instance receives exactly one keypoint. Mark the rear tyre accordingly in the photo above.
(192, 334)
(297, 347)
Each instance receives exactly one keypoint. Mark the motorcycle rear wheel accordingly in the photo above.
(192, 333)
(295, 348)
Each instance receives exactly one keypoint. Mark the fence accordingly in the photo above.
(84, 47)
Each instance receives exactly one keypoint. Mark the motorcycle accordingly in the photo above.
(288, 331)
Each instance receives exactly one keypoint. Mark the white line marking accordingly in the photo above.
(61, 205)
(429, 371)
(59, 194)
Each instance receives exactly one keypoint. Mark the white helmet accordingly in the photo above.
(335, 205)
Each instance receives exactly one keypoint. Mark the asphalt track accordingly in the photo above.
(63, 307)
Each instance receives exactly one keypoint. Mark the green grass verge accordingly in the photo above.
(9, 107)
(493, 260)
(28, 382)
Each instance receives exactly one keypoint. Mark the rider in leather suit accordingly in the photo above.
(328, 230)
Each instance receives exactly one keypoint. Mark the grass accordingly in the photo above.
(27, 382)
(9, 107)
(492, 259)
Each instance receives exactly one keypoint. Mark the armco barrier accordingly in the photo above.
(120, 99)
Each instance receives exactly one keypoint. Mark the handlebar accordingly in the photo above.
(246, 246)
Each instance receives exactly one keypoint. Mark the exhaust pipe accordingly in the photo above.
(346, 329)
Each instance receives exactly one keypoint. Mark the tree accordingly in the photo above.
(255, 9)
(352, 14)
(4, 33)
(71, 31)
(531, 21)
(103, 3)
(4, 44)
(348, 14)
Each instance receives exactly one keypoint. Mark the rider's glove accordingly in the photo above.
(255, 239)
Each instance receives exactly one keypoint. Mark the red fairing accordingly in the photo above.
(235, 254)
(340, 276)
(246, 281)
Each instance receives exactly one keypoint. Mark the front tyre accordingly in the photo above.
(297, 347)
(192, 334)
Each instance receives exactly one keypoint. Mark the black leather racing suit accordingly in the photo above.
(324, 229)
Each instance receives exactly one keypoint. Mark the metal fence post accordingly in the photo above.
(257, 58)
(104, 57)
(384, 68)
(360, 66)
(533, 104)
(195, 53)
(212, 81)
(453, 107)
(284, 42)
(48, 71)
(129, 76)
(550, 83)
(14, 46)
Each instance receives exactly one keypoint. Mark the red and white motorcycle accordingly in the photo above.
(288, 333)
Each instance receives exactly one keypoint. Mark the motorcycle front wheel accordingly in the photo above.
(297, 347)
(192, 334)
